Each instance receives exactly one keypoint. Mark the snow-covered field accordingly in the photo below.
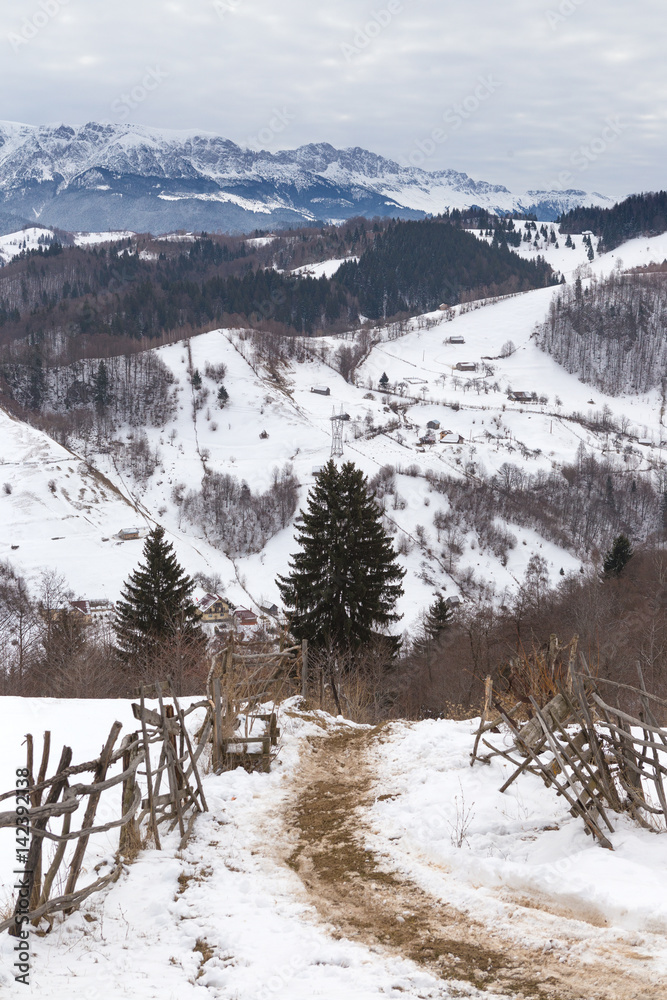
(521, 843)
(518, 863)
(26, 239)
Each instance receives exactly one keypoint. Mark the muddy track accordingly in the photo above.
(352, 889)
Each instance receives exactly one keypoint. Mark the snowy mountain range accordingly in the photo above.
(110, 176)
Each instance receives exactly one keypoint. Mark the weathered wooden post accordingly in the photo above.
(149, 773)
(93, 800)
(304, 669)
(570, 664)
(217, 725)
(486, 714)
(130, 840)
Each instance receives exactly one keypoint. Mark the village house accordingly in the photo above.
(450, 437)
(457, 339)
(82, 612)
(521, 397)
(213, 608)
(321, 390)
(433, 425)
(245, 618)
(466, 366)
(125, 534)
(95, 610)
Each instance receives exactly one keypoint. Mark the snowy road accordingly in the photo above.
(504, 946)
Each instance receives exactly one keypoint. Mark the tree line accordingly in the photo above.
(413, 267)
(610, 332)
(638, 215)
(149, 292)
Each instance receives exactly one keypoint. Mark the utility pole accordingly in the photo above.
(337, 433)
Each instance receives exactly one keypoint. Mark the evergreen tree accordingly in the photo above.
(101, 392)
(384, 380)
(618, 556)
(155, 605)
(37, 381)
(438, 617)
(344, 582)
(196, 379)
(435, 622)
(223, 397)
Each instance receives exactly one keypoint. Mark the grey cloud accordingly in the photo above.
(385, 75)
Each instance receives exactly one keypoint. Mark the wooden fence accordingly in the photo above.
(163, 737)
(599, 758)
(239, 679)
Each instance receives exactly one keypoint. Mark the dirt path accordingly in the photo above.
(352, 889)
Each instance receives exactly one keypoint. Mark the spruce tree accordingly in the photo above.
(438, 617)
(155, 605)
(435, 622)
(344, 582)
(618, 556)
(223, 397)
(101, 391)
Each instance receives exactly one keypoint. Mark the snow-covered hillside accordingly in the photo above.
(102, 176)
(59, 514)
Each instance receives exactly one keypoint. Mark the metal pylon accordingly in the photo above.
(337, 433)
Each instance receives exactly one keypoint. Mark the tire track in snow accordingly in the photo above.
(354, 889)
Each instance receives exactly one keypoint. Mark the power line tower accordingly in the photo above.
(337, 420)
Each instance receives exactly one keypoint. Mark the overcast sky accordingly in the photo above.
(527, 93)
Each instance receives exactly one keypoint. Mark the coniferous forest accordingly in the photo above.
(415, 266)
(638, 215)
(98, 302)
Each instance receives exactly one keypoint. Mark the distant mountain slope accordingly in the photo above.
(111, 176)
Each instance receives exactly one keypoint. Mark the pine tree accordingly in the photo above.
(384, 380)
(155, 605)
(223, 397)
(196, 379)
(438, 617)
(435, 622)
(101, 392)
(344, 582)
(618, 556)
